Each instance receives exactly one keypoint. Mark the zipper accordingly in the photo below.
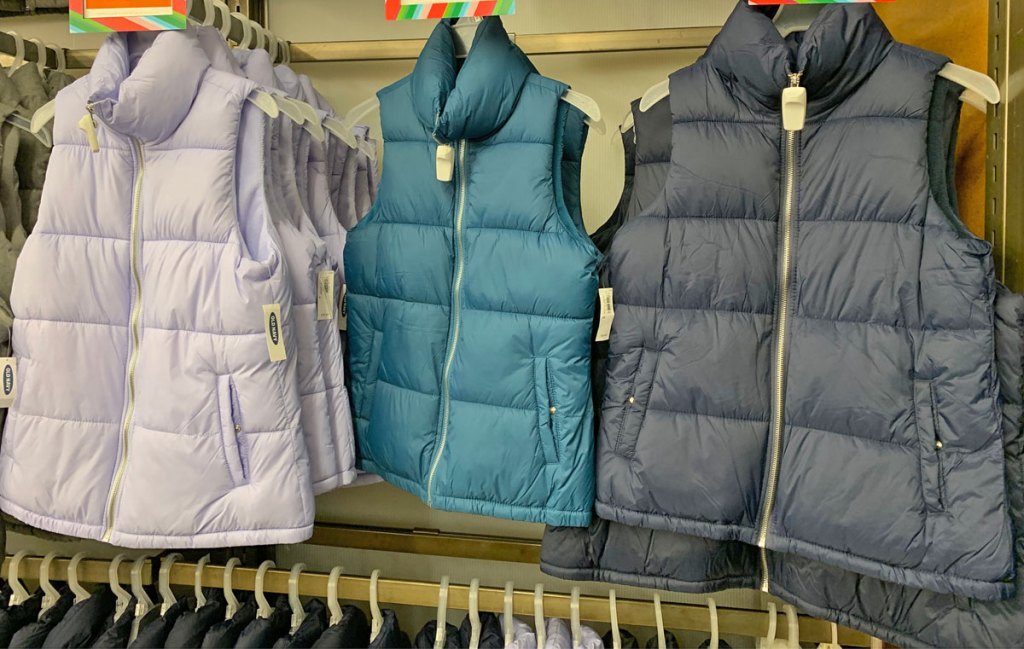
(789, 208)
(133, 357)
(460, 267)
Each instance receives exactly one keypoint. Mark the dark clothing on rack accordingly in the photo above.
(309, 631)
(83, 622)
(15, 617)
(224, 635)
(425, 638)
(117, 631)
(155, 633)
(722, 644)
(34, 634)
(352, 632)
(191, 627)
(671, 641)
(264, 632)
(391, 635)
(627, 639)
(491, 636)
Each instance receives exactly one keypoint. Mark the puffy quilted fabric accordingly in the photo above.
(471, 301)
(177, 400)
(882, 399)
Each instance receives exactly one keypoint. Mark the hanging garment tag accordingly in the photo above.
(8, 381)
(343, 309)
(445, 162)
(794, 108)
(89, 126)
(604, 325)
(272, 327)
(325, 295)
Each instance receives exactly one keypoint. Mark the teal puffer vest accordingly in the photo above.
(471, 299)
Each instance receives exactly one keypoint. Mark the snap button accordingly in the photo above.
(552, 410)
(938, 444)
(632, 400)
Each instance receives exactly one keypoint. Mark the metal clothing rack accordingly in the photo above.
(629, 612)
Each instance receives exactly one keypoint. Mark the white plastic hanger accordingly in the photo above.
(332, 596)
(62, 60)
(197, 582)
(167, 598)
(263, 607)
(81, 594)
(442, 614)
(506, 618)
(659, 620)
(261, 36)
(768, 641)
(247, 31)
(311, 121)
(538, 615)
(463, 33)
(143, 604)
(376, 619)
(574, 617)
(225, 18)
(790, 19)
(341, 130)
(474, 614)
(209, 19)
(713, 611)
(613, 614)
(298, 613)
(50, 592)
(229, 593)
(19, 52)
(41, 52)
(19, 594)
(835, 638)
(124, 598)
(793, 622)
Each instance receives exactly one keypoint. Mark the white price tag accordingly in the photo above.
(604, 325)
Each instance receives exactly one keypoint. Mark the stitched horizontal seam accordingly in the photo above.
(696, 309)
(22, 413)
(206, 333)
(78, 235)
(396, 299)
(822, 431)
(701, 414)
(510, 229)
(188, 241)
(852, 118)
(927, 226)
(422, 225)
(711, 120)
(705, 217)
(70, 322)
(889, 326)
(402, 387)
(530, 315)
(211, 435)
(437, 396)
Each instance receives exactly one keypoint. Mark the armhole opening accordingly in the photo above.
(570, 140)
(252, 209)
(943, 128)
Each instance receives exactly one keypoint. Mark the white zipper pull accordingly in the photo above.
(88, 124)
(445, 162)
(794, 104)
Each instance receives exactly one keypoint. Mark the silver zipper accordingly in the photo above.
(781, 337)
(133, 357)
(460, 267)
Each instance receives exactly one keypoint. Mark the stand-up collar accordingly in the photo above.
(843, 45)
(476, 100)
(144, 86)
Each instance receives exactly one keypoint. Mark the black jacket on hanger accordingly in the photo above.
(351, 632)
(425, 638)
(391, 635)
(491, 636)
(14, 618)
(671, 641)
(83, 622)
(34, 634)
(154, 634)
(628, 640)
(191, 627)
(116, 632)
(224, 634)
(264, 632)
(313, 625)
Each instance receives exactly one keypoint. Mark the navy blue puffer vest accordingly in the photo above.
(803, 355)
(471, 299)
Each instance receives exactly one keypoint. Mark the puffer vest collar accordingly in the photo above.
(838, 51)
(144, 86)
(475, 101)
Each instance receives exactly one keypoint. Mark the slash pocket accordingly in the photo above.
(547, 410)
(235, 456)
(635, 406)
(930, 446)
(369, 383)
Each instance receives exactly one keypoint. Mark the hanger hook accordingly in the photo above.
(143, 603)
(124, 598)
(225, 18)
(793, 621)
(62, 59)
(574, 617)
(20, 593)
(773, 624)
(613, 613)
(247, 31)
(50, 593)
(538, 614)
(41, 53)
(332, 595)
(659, 620)
(208, 17)
(229, 593)
(376, 619)
(19, 52)
(474, 613)
(509, 602)
(197, 581)
(298, 613)
(167, 598)
(264, 609)
(81, 594)
(713, 611)
(442, 613)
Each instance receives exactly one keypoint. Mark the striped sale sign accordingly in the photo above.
(427, 9)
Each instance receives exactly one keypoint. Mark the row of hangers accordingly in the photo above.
(979, 89)
(144, 603)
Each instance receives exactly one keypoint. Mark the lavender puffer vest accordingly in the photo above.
(149, 412)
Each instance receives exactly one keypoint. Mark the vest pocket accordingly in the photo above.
(232, 443)
(635, 406)
(933, 479)
(547, 410)
(370, 380)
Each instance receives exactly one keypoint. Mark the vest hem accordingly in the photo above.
(461, 505)
(648, 581)
(336, 481)
(235, 538)
(924, 579)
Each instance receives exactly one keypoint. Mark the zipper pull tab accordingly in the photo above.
(88, 124)
(794, 104)
(445, 162)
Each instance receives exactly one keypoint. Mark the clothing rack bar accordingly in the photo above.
(90, 571)
(427, 542)
(8, 47)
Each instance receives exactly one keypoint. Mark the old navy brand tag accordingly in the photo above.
(275, 336)
(604, 325)
(8, 381)
(325, 295)
(343, 309)
(794, 108)
(445, 162)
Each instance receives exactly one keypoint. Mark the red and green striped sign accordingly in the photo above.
(807, 2)
(126, 15)
(427, 9)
